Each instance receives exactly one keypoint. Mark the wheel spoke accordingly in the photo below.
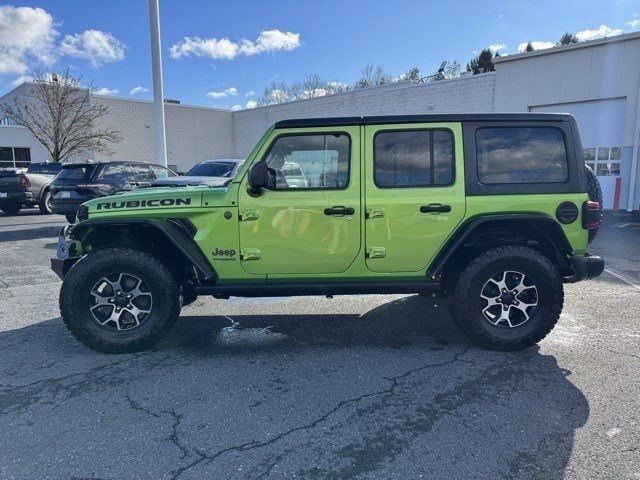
(121, 301)
(521, 297)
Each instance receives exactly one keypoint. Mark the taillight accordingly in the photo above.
(591, 215)
(24, 182)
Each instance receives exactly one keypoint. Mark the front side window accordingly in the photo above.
(521, 155)
(416, 158)
(315, 161)
(50, 168)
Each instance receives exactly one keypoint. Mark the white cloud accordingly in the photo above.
(223, 48)
(138, 89)
(635, 21)
(600, 32)
(250, 93)
(237, 106)
(276, 96)
(337, 87)
(497, 47)
(229, 92)
(251, 104)
(106, 91)
(94, 45)
(25, 33)
(537, 45)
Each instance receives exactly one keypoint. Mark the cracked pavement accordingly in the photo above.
(355, 387)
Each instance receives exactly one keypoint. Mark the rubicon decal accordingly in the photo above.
(161, 202)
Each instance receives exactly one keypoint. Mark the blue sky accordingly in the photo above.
(108, 41)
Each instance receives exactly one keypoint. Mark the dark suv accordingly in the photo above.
(78, 182)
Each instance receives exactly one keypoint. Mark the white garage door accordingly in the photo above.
(600, 123)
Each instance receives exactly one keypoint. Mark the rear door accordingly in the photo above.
(414, 197)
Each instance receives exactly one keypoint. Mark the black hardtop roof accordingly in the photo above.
(440, 117)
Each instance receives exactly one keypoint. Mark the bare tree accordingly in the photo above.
(372, 76)
(314, 86)
(276, 92)
(452, 70)
(61, 115)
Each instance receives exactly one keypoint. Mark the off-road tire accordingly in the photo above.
(595, 195)
(465, 304)
(75, 300)
(45, 203)
(10, 208)
(71, 217)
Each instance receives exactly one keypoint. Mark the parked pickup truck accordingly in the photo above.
(492, 211)
(27, 189)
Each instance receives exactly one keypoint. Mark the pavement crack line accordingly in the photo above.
(395, 381)
(19, 397)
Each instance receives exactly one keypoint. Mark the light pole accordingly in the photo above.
(158, 94)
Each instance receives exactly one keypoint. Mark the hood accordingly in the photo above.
(188, 180)
(147, 200)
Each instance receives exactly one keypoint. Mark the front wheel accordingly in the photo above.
(45, 203)
(508, 298)
(119, 300)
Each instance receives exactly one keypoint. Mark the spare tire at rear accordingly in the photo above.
(595, 195)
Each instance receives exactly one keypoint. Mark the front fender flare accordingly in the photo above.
(171, 231)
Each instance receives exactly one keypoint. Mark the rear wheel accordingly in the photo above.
(10, 208)
(71, 217)
(45, 203)
(119, 300)
(595, 195)
(509, 298)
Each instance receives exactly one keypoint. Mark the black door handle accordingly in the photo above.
(435, 208)
(339, 210)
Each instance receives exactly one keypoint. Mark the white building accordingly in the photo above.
(597, 81)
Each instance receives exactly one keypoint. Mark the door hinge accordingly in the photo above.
(248, 215)
(375, 252)
(250, 254)
(374, 213)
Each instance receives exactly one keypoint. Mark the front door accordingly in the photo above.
(414, 193)
(309, 223)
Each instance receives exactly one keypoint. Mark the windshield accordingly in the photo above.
(75, 173)
(213, 169)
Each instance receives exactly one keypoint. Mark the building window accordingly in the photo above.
(521, 155)
(605, 161)
(414, 158)
(15, 157)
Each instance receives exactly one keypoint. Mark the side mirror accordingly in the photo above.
(258, 178)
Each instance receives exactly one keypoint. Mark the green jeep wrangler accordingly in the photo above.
(493, 211)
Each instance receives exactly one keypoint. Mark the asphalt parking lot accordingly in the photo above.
(352, 387)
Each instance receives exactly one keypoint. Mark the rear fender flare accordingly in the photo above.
(543, 224)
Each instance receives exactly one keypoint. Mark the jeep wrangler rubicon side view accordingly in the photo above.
(494, 211)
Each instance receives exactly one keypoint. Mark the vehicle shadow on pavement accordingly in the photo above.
(29, 234)
(394, 393)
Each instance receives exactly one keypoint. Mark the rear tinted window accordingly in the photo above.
(521, 155)
(418, 158)
(214, 169)
(74, 173)
(44, 168)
